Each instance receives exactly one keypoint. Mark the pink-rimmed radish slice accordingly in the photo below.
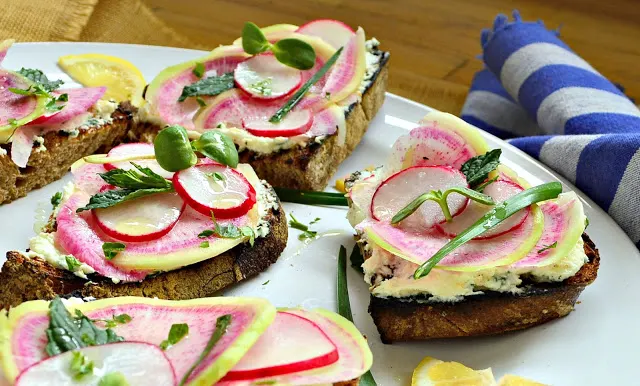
(139, 363)
(264, 77)
(273, 33)
(291, 344)
(294, 123)
(228, 197)
(499, 191)
(15, 109)
(5, 45)
(347, 73)
(331, 31)
(80, 100)
(397, 191)
(143, 219)
(135, 149)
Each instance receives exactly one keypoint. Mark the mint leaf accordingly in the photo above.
(233, 232)
(39, 77)
(80, 366)
(176, 333)
(138, 178)
(111, 250)
(477, 169)
(199, 69)
(209, 86)
(114, 197)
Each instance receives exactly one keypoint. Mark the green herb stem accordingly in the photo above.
(309, 197)
(222, 323)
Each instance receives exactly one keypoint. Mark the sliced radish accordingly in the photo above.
(331, 31)
(292, 343)
(295, 123)
(264, 77)
(499, 191)
(400, 189)
(347, 73)
(80, 100)
(139, 363)
(16, 109)
(143, 219)
(6, 44)
(230, 197)
(134, 149)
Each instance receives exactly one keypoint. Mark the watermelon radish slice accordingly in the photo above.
(163, 92)
(133, 149)
(273, 33)
(291, 344)
(24, 339)
(499, 191)
(347, 73)
(86, 177)
(264, 77)
(23, 109)
(141, 364)
(80, 100)
(215, 188)
(22, 144)
(354, 354)
(6, 44)
(143, 219)
(295, 123)
(334, 32)
(564, 222)
(472, 256)
(397, 191)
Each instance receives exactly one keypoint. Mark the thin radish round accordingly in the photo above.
(80, 100)
(138, 363)
(291, 344)
(134, 149)
(400, 189)
(331, 31)
(211, 187)
(143, 219)
(264, 77)
(499, 191)
(295, 123)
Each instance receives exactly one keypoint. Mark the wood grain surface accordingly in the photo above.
(434, 44)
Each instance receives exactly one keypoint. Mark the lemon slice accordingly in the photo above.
(434, 372)
(514, 380)
(123, 80)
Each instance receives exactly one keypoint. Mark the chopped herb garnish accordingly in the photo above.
(56, 199)
(209, 86)
(80, 366)
(477, 169)
(113, 379)
(290, 52)
(262, 87)
(480, 188)
(306, 233)
(356, 259)
(72, 263)
(13, 122)
(547, 247)
(315, 220)
(586, 222)
(111, 250)
(39, 77)
(309, 197)
(266, 282)
(217, 176)
(201, 101)
(233, 232)
(327, 95)
(176, 333)
(222, 323)
(204, 244)
(206, 233)
(115, 320)
(199, 69)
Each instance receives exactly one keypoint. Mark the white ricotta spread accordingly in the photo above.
(2, 152)
(41, 147)
(267, 201)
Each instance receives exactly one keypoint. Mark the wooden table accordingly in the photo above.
(433, 43)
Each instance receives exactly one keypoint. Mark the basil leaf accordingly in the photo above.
(222, 323)
(111, 250)
(294, 53)
(39, 77)
(309, 197)
(199, 69)
(114, 197)
(253, 40)
(176, 333)
(218, 147)
(477, 169)
(138, 178)
(492, 218)
(209, 86)
(357, 259)
(113, 379)
(72, 263)
(80, 366)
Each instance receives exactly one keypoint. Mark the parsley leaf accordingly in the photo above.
(80, 365)
(209, 86)
(176, 333)
(111, 250)
(39, 77)
(72, 263)
(546, 247)
(477, 169)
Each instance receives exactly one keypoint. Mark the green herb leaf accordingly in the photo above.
(477, 169)
(80, 366)
(217, 176)
(201, 101)
(315, 220)
(218, 147)
(290, 104)
(72, 263)
(546, 247)
(222, 323)
(586, 222)
(138, 178)
(266, 282)
(480, 188)
(306, 233)
(66, 333)
(204, 244)
(114, 197)
(233, 232)
(209, 86)
(13, 122)
(262, 87)
(253, 40)
(39, 77)
(173, 149)
(114, 321)
(56, 199)
(176, 333)
(113, 379)
(199, 69)
(309, 197)
(356, 259)
(492, 218)
(206, 233)
(294, 53)
(111, 250)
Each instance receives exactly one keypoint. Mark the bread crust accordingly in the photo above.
(62, 151)
(488, 314)
(23, 279)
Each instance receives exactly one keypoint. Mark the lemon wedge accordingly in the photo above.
(123, 80)
(434, 372)
(514, 380)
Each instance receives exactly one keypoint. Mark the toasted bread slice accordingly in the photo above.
(488, 314)
(24, 278)
(310, 167)
(62, 151)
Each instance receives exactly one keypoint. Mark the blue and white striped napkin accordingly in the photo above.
(560, 110)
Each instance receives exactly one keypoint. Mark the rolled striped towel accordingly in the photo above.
(559, 109)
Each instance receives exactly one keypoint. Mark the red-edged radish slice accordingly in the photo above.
(499, 191)
(134, 149)
(6, 44)
(294, 123)
(140, 364)
(400, 189)
(230, 197)
(291, 344)
(264, 77)
(80, 100)
(331, 31)
(143, 219)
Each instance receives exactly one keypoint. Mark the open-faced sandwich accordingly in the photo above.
(45, 129)
(152, 221)
(295, 100)
(209, 341)
(456, 244)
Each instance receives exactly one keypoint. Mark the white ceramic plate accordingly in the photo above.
(595, 345)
